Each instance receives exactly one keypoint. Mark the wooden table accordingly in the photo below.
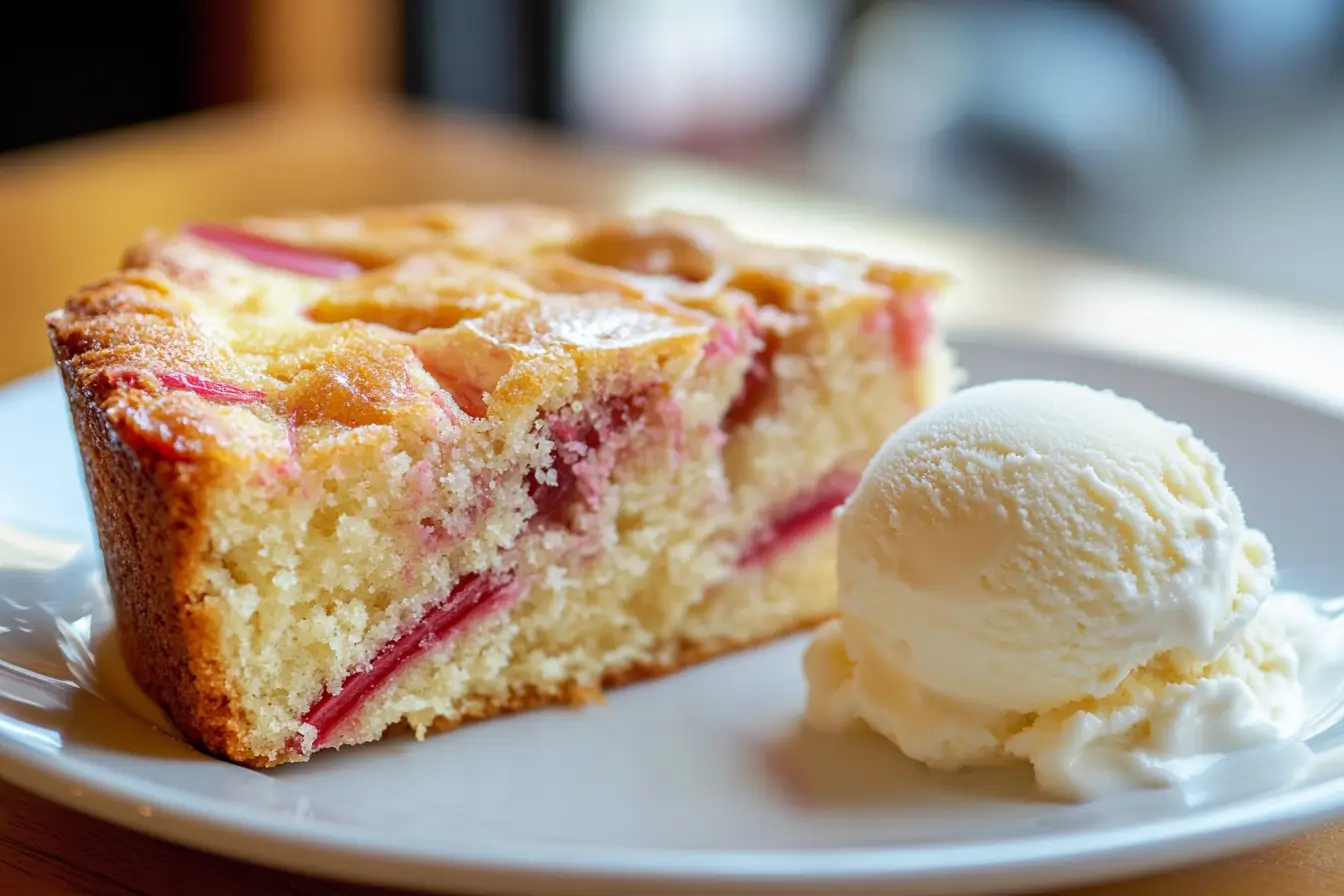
(68, 212)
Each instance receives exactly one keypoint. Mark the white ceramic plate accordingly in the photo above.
(699, 779)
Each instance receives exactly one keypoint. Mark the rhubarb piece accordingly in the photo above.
(458, 395)
(466, 364)
(474, 595)
(757, 382)
(725, 341)
(911, 328)
(797, 520)
(755, 389)
(470, 401)
(211, 389)
(551, 497)
(575, 472)
(272, 254)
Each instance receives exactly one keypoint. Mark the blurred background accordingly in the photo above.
(1203, 138)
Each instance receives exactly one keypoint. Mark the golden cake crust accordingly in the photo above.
(506, 309)
(150, 531)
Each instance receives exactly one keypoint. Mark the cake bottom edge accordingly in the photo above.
(679, 656)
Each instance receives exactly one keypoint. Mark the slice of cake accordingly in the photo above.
(414, 467)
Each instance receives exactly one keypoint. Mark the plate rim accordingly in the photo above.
(337, 851)
(333, 850)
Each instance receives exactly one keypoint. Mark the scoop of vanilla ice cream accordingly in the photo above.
(1020, 555)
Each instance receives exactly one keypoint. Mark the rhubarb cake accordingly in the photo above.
(407, 468)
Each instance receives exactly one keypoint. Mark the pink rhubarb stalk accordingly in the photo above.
(911, 328)
(272, 254)
(475, 595)
(577, 441)
(797, 520)
(758, 380)
(211, 389)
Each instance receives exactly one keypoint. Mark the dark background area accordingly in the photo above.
(503, 58)
(68, 69)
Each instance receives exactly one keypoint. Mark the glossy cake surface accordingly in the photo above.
(412, 467)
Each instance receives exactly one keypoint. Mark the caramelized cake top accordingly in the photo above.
(223, 339)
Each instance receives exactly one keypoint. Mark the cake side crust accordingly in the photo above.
(150, 536)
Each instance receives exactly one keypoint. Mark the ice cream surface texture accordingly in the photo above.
(1036, 570)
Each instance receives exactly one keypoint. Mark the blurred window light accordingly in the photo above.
(680, 71)
(1075, 85)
